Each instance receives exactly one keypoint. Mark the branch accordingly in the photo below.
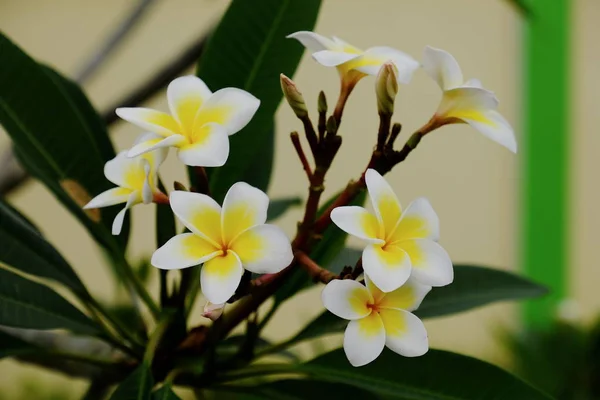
(318, 273)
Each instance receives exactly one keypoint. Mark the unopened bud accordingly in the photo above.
(386, 88)
(213, 311)
(293, 96)
(179, 186)
(331, 126)
(322, 104)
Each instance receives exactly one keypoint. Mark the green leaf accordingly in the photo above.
(475, 287)
(165, 393)
(11, 346)
(299, 389)
(472, 287)
(436, 375)
(25, 249)
(137, 386)
(26, 304)
(324, 253)
(248, 50)
(278, 207)
(58, 136)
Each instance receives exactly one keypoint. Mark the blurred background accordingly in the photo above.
(482, 193)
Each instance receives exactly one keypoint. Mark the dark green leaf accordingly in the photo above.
(26, 304)
(324, 253)
(472, 287)
(165, 393)
(346, 257)
(436, 375)
(232, 345)
(11, 346)
(278, 207)
(475, 287)
(58, 136)
(20, 216)
(300, 389)
(24, 248)
(248, 50)
(136, 386)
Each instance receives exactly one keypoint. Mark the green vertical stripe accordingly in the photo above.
(545, 149)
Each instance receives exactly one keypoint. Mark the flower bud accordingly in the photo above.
(293, 96)
(213, 311)
(386, 88)
(322, 104)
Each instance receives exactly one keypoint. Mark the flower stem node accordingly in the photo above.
(386, 89)
(293, 96)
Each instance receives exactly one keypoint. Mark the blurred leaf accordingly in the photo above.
(165, 230)
(25, 249)
(136, 386)
(347, 256)
(324, 253)
(232, 344)
(298, 389)
(165, 393)
(248, 50)
(58, 135)
(26, 304)
(11, 346)
(278, 207)
(436, 375)
(12, 210)
(472, 287)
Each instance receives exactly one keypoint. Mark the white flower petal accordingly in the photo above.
(210, 149)
(476, 83)
(330, 58)
(220, 277)
(134, 198)
(147, 193)
(375, 57)
(263, 249)
(156, 157)
(364, 340)
(466, 103)
(342, 45)
(495, 127)
(431, 264)
(152, 120)
(384, 200)
(407, 297)
(244, 206)
(442, 68)
(313, 41)
(405, 333)
(109, 198)
(199, 213)
(388, 269)
(230, 107)
(186, 95)
(182, 251)
(159, 145)
(346, 298)
(419, 220)
(358, 222)
(125, 172)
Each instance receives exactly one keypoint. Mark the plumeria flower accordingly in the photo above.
(136, 178)
(401, 243)
(466, 102)
(226, 240)
(353, 63)
(199, 124)
(378, 319)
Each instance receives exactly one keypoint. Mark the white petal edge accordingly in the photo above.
(411, 340)
(420, 208)
(186, 205)
(156, 144)
(220, 289)
(155, 157)
(442, 67)
(313, 41)
(244, 207)
(172, 255)
(405, 64)
(431, 265)
(213, 151)
(380, 190)
(115, 169)
(109, 197)
(240, 105)
(186, 88)
(360, 348)
(385, 276)
(117, 224)
(398, 298)
(351, 220)
(140, 116)
(346, 299)
(464, 101)
(329, 58)
(275, 255)
(499, 130)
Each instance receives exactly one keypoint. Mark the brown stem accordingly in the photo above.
(160, 198)
(345, 91)
(385, 121)
(311, 135)
(298, 146)
(358, 269)
(202, 181)
(318, 273)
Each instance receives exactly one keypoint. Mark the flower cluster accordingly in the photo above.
(401, 260)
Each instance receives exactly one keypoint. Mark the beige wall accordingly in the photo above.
(471, 182)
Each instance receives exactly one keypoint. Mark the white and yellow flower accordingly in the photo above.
(466, 102)
(378, 319)
(225, 240)
(199, 124)
(136, 178)
(353, 63)
(401, 243)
